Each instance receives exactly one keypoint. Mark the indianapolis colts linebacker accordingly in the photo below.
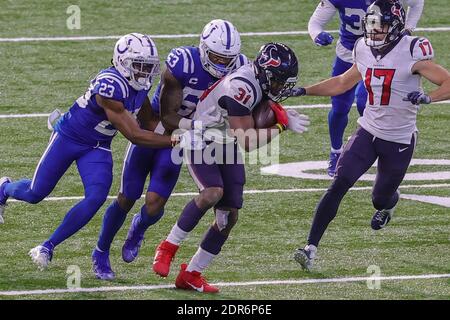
(189, 71)
(83, 135)
(351, 13)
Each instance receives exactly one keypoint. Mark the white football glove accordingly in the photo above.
(297, 122)
(192, 140)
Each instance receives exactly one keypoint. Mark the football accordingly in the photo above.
(263, 115)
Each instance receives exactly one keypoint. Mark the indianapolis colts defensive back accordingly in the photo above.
(111, 103)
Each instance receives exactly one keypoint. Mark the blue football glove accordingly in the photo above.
(323, 39)
(294, 92)
(297, 92)
(417, 97)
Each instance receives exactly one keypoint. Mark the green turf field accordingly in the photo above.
(41, 75)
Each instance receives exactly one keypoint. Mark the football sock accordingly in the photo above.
(213, 241)
(147, 220)
(326, 209)
(21, 190)
(177, 235)
(112, 222)
(337, 122)
(80, 214)
(190, 216)
(200, 261)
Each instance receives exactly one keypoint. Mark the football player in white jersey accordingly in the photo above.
(216, 164)
(391, 64)
(351, 13)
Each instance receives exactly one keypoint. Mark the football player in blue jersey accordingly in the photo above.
(351, 13)
(83, 135)
(189, 71)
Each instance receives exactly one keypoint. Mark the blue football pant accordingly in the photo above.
(138, 164)
(95, 169)
(341, 105)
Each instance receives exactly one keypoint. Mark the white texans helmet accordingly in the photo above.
(221, 39)
(136, 58)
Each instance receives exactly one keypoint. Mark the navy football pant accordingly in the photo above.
(341, 105)
(358, 156)
(95, 169)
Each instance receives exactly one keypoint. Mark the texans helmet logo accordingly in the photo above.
(267, 60)
(396, 11)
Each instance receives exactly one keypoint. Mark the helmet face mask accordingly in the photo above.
(136, 58)
(383, 23)
(277, 70)
(142, 71)
(220, 46)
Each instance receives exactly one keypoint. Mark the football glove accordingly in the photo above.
(189, 140)
(209, 118)
(323, 39)
(294, 92)
(417, 97)
(297, 122)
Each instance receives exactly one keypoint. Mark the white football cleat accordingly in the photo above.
(41, 256)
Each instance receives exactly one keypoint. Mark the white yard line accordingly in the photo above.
(302, 106)
(184, 194)
(226, 284)
(188, 35)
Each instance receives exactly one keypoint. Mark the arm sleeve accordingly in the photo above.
(415, 8)
(323, 14)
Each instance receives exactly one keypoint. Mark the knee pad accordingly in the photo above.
(225, 218)
(342, 104)
(222, 218)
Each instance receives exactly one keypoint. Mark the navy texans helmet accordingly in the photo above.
(277, 70)
(383, 17)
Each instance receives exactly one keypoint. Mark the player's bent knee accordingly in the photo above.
(125, 203)
(340, 185)
(210, 196)
(35, 198)
(154, 203)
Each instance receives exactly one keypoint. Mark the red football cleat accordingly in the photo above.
(164, 255)
(193, 280)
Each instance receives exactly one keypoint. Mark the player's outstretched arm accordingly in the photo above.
(170, 100)
(336, 85)
(129, 127)
(437, 75)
